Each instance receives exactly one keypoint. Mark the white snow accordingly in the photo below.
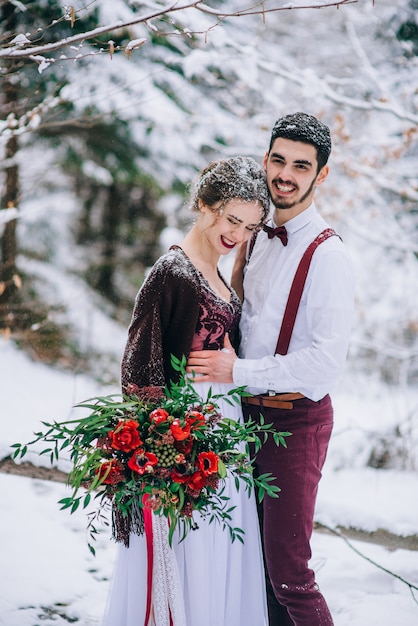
(49, 577)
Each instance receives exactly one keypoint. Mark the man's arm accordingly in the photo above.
(319, 346)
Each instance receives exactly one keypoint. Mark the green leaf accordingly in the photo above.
(75, 505)
(66, 503)
(172, 528)
(181, 497)
(221, 469)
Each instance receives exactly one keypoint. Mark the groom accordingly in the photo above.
(310, 310)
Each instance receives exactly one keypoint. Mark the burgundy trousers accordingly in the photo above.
(286, 522)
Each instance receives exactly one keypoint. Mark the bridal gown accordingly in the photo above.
(213, 581)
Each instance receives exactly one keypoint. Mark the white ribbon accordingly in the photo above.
(167, 593)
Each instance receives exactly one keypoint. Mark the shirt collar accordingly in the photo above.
(301, 220)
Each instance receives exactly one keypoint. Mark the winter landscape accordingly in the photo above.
(109, 135)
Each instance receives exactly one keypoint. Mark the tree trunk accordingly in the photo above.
(9, 280)
(110, 225)
(9, 201)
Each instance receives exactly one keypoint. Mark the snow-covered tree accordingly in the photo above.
(146, 103)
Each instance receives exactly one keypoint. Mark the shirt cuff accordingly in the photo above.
(251, 373)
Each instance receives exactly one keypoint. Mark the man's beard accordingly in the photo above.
(282, 203)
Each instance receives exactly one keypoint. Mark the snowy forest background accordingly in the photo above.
(100, 138)
(106, 115)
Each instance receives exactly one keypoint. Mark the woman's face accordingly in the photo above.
(228, 225)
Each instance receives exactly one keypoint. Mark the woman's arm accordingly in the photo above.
(163, 323)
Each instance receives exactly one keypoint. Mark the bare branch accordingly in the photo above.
(334, 96)
(339, 534)
(22, 50)
(29, 120)
(259, 8)
(17, 52)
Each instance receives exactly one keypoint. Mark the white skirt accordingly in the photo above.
(213, 581)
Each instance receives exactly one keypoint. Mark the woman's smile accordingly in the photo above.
(228, 243)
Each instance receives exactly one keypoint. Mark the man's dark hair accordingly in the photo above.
(305, 128)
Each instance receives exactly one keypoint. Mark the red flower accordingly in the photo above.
(142, 462)
(125, 437)
(207, 462)
(197, 481)
(113, 470)
(178, 476)
(196, 419)
(179, 432)
(185, 446)
(158, 416)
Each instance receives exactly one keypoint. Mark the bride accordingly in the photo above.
(185, 304)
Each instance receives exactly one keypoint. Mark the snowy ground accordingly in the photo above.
(49, 577)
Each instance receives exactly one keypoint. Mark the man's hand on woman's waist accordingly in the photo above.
(212, 365)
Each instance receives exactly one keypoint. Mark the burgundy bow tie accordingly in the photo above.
(280, 232)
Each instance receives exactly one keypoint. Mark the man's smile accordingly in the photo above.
(284, 187)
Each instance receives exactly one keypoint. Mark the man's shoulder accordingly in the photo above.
(328, 234)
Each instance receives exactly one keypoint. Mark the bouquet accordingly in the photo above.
(164, 450)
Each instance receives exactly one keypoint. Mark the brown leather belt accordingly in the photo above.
(278, 401)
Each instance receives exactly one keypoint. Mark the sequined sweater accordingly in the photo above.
(173, 311)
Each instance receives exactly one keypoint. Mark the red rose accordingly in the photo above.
(197, 481)
(196, 419)
(142, 462)
(158, 416)
(207, 462)
(113, 472)
(179, 432)
(125, 437)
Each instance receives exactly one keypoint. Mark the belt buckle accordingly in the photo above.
(271, 393)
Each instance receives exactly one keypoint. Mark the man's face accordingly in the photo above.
(291, 170)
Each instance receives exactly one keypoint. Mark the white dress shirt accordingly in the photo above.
(319, 343)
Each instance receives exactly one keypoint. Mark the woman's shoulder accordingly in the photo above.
(176, 266)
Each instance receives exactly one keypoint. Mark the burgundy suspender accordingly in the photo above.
(252, 244)
(296, 292)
